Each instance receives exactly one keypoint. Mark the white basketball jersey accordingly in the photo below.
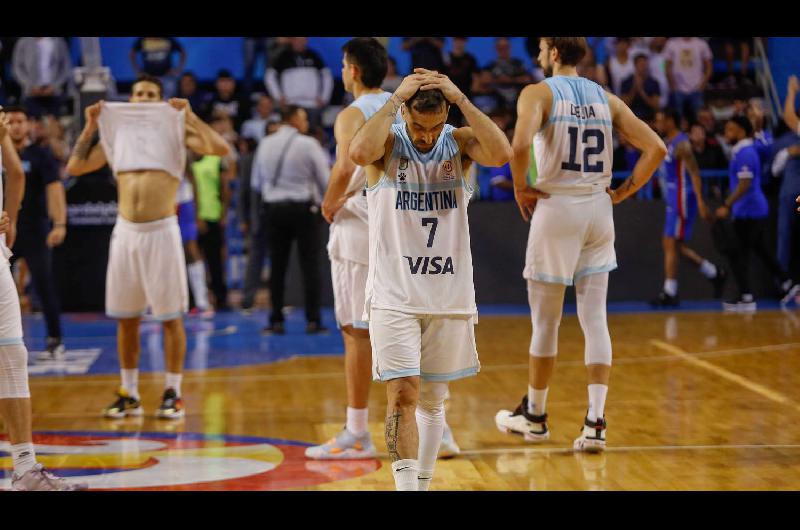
(4, 252)
(140, 136)
(573, 151)
(420, 259)
(349, 238)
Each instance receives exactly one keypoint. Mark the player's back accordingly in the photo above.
(574, 148)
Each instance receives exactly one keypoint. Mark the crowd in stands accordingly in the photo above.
(648, 73)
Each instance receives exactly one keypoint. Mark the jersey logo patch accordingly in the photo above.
(404, 163)
(448, 170)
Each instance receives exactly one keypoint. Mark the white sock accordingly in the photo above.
(747, 297)
(197, 281)
(357, 421)
(130, 382)
(597, 401)
(174, 382)
(24, 457)
(537, 401)
(405, 474)
(430, 425)
(708, 269)
(671, 287)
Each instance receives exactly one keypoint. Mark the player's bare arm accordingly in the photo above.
(532, 112)
(789, 113)
(741, 188)
(642, 137)
(684, 153)
(344, 129)
(374, 140)
(85, 157)
(15, 180)
(482, 141)
(200, 137)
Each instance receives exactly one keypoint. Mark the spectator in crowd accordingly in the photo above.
(226, 100)
(300, 77)
(640, 91)
(658, 67)
(49, 133)
(157, 60)
(509, 74)
(747, 206)
(484, 94)
(589, 69)
(730, 46)
(42, 223)
(426, 52)
(290, 171)
(252, 223)
(42, 65)
(212, 175)
(256, 127)
(462, 67)
(620, 64)
(392, 79)
(762, 137)
(706, 150)
(189, 89)
(689, 68)
(269, 48)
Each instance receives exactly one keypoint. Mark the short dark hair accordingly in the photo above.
(640, 56)
(426, 101)
(570, 49)
(224, 73)
(370, 56)
(744, 123)
(672, 113)
(147, 78)
(289, 111)
(15, 108)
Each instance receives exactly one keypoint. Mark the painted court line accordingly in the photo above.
(762, 390)
(625, 449)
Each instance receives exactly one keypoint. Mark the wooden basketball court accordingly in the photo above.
(698, 400)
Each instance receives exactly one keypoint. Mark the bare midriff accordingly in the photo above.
(147, 195)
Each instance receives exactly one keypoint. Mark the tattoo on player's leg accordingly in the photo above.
(392, 426)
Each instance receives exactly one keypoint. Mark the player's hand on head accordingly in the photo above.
(409, 86)
(92, 112)
(434, 80)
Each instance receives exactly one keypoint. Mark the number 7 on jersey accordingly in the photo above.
(430, 221)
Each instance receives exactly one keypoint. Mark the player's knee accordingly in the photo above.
(544, 341)
(432, 396)
(598, 354)
(14, 372)
(402, 393)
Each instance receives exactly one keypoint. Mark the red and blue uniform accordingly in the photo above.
(680, 194)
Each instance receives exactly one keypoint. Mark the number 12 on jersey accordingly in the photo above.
(598, 147)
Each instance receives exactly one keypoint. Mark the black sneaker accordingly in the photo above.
(533, 428)
(274, 328)
(718, 281)
(743, 304)
(54, 351)
(315, 328)
(171, 406)
(665, 300)
(593, 436)
(124, 406)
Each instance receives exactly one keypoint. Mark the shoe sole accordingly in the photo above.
(527, 436)
(791, 294)
(138, 411)
(447, 455)
(344, 455)
(590, 446)
(176, 416)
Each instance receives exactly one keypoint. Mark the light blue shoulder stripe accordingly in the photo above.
(446, 147)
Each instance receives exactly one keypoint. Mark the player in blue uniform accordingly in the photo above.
(684, 198)
(748, 208)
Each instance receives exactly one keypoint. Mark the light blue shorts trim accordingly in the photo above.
(121, 314)
(389, 375)
(549, 278)
(357, 324)
(468, 372)
(11, 341)
(168, 316)
(596, 270)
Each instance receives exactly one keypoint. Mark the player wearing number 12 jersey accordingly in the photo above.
(570, 121)
(420, 299)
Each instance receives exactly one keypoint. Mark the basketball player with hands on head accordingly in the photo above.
(420, 297)
(569, 120)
